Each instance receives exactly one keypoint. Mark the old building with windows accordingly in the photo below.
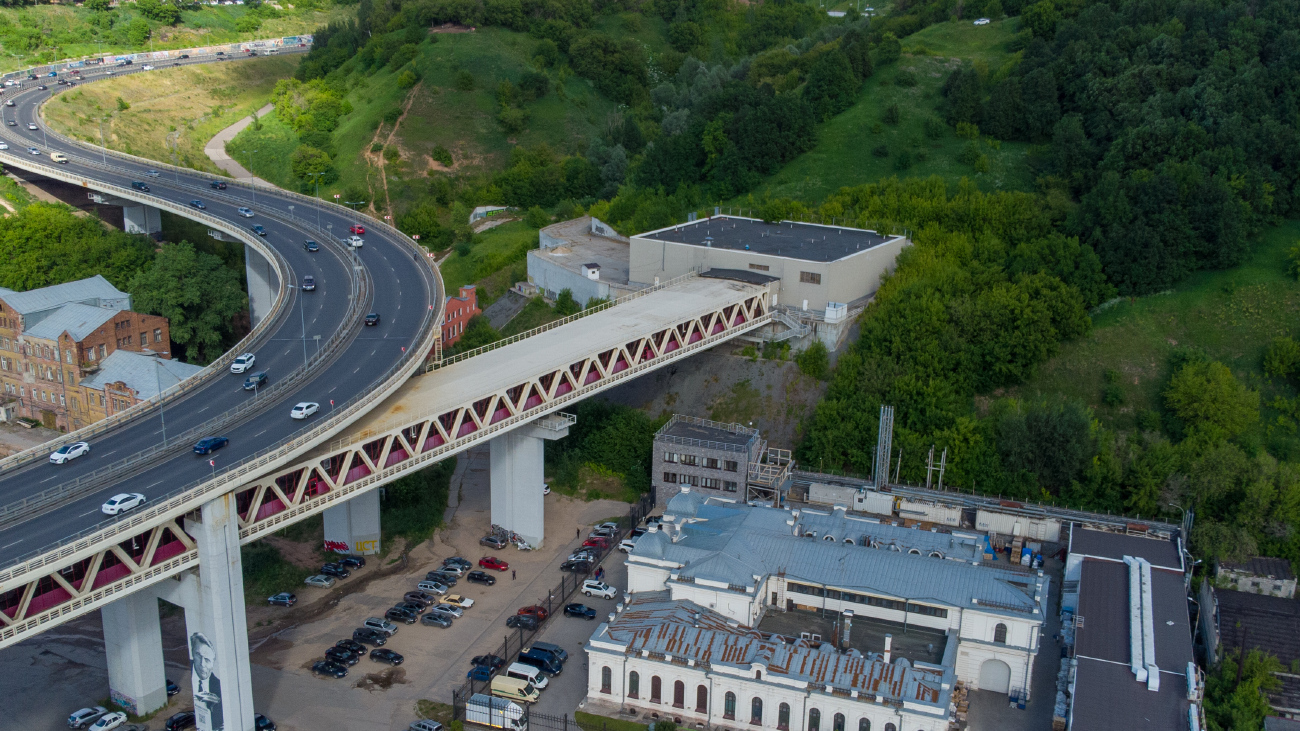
(1257, 575)
(708, 455)
(53, 338)
(459, 311)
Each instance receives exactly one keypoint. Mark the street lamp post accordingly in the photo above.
(317, 176)
(162, 411)
(252, 179)
(303, 316)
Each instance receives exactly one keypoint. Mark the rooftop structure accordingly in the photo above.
(1258, 575)
(584, 256)
(1248, 621)
(145, 375)
(717, 458)
(34, 305)
(805, 241)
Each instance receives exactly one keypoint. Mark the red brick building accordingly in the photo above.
(459, 312)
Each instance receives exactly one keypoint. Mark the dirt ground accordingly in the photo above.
(14, 438)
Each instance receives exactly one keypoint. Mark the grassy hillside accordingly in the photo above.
(846, 152)
(171, 110)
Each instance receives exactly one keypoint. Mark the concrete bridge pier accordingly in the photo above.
(518, 504)
(262, 284)
(141, 219)
(353, 527)
(133, 646)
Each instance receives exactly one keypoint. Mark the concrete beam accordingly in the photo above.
(353, 527)
(517, 456)
(262, 284)
(133, 646)
(141, 219)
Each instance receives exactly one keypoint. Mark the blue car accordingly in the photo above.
(480, 673)
(208, 445)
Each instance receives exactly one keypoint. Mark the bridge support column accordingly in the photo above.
(141, 219)
(218, 637)
(353, 527)
(518, 504)
(262, 284)
(133, 645)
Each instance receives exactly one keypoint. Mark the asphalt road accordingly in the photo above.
(404, 292)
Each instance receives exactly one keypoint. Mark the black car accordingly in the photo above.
(139, 186)
(259, 230)
(332, 669)
(481, 577)
(493, 542)
(309, 284)
(217, 185)
(370, 636)
(342, 656)
(260, 722)
(353, 562)
(186, 55)
(336, 570)
(524, 621)
(351, 646)
(577, 567)
(442, 577)
(419, 597)
(637, 533)
(311, 246)
(458, 561)
(255, 381)
(172, 688)
(198, 204)
(581, 611)
(179, 722)
(372, 318)
(43, 87)
(397, 614)
(388, 656)
(435, 620)
(417, 607)
(492, 661)
(208, 445)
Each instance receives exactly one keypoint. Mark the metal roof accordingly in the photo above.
(790, 239)
(94, 291)
(1273, 568)
(141, 373)
(76, 319)
(1115, 546)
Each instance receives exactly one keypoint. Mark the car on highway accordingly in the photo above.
(351, 645)
(9, 102)
(43, 87)
(337, 570)
(397, 614)
(436, 620)
(147, 67)
(243, 363)
(180, 721)
(536, 610)
(449, 609)
(139, 186)
(108, 721)
(433, 587)
(343, 657)
(523, 621)
(52, 74)
(122, 502)
(330, 668)
(255, 381)
(304, 409)
(32, 126)
(372, 319)
(369, 636)
(86, 716)
(593, 587)
(283, 599)
(581, 611)
(353, 562)
(69, 451)
(385, 655)
(481, 577)
(198, 204)
(494, 662)
(152, 174)
(245, 212)
(208, 445)
(494, 563)
(626, 545)
(33, 151)
(356, 242)
(311, 246)
(217, 185)
(309, 284)
(259, 229)
(320, 580)
(4, 145)
(496, 542)
(357, 229)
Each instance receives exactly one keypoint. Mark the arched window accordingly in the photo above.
(756, 711)
(633, 684)
(729, 705)
(814, 720)
(839, 722)
(701, 699)
(890, 727)
(783, 717)
(1000, 634)
(679, 694)
(758, 675)
(656, 686)
(606, 679)
(864, 724)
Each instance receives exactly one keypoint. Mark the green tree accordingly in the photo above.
(248, 24)
(478, 332)
(832, 86)
(307, 161)
(1041, 18)
(464, 81)
(159, 10)
(138, 32)
(196, 293)
(888, 50)
(1236, 694)
(537, 218)
(1210, 400)
(1282, 357)
(1293, 261)
(814, 361)
(685, 35)
(565, 304)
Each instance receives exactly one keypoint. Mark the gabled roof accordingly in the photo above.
(1273, 568)
(94, 291)
(76, 319)
(141, 373)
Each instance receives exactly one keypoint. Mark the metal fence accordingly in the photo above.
(518, 638)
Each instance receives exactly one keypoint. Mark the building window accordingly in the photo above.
(810, 278)
(890, 727)
(606, 679)
(756, 711)
(838, 722)
(670, 478)
(783, 717)
(689, 460)
(670, 457)
(1000, 634)
(814, 720)
(729, 706)
(730, 465)
(760, 267)
(729, 486)
(679, 694)
(711, 463)
(103, 350)
(701, 699)
(656, 687)
(144, 338)
(157, 335)
(633, 684)
(864, 724)
(710, 482)
(927, 610)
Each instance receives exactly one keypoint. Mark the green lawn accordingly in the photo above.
(1232, 315)
(266, 150)
(492, 251)
(845, 151)
(535, 314)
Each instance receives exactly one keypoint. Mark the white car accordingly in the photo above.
(32, 126)
(147, 67)
(152, 173)
(982, 21)
(320, 580)
(69, 451)
(122, 502)
(304, 409)
(356, 242)
(9, 103)
(546, 489)
(243, 363)
(4, 145)
(592, 587)
(107, 721)
(246, 212)
(626, 545)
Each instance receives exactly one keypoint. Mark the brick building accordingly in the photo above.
(460, 310)
(52, 339)
(703, 454)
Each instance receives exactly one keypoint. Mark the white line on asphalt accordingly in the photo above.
(79, 516)
(51, 477)
(106, 454)
(20, 540)
(357, 369)
(259, 434)
(332, 390)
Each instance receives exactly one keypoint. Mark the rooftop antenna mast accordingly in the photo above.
(884, 446)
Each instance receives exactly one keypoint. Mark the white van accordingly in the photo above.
(514, 689)
(59, 157)
(528, 673)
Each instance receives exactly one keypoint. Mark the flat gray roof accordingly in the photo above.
(807, 241)
(1116, 546)
(682, 429)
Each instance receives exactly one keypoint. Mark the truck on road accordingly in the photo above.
(485, 710)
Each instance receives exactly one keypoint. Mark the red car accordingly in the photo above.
(358, 230)
(595, 543)
(492, 562)
(536, 611)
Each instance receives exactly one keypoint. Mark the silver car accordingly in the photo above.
(449, 609)
(320, 580)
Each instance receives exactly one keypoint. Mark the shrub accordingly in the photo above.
(248, 24)
(407, 79)
(903, 161)
(536, 217)
(465, 81)
(122, 105)
(814, 361)
(392, 154)
(968, 131)
(392, 115)
(905, 78)
(934, 128)
(1293, 261)
(892, 115)
(1281, 357)
(513, 119)
(969, 154)
(982, 164)
(888, 50)
(442, 155)
(880, 150)
(565, 304)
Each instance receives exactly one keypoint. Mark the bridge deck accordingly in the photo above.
(446, 388)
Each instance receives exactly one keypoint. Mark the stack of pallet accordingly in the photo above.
(961, 704)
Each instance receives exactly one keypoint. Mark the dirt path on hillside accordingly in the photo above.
(376, 159)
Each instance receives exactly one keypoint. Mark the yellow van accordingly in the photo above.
(504, 686)
(59, 157)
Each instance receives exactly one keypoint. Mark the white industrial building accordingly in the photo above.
(743, 561)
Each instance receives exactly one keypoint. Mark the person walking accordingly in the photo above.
(577, 532)
(512, 574)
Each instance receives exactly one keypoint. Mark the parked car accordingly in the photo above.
(405, 616)
(454, 569)
(352, 562)
(494, 563)
(448, 609)
(436, 619)
(496, 662)
(458, 601)
(444, 611)
(320, 580)
(654, 520)
(86, 716)
(457, 561)
(242, 363)
(372, 319)
(332, 669)
(338, 571)
(109, 721)
(283, 599)
(385, 655)
(480, 673)
(342, 656)
(262, 723)
(69, 451)
(425, 725)
(417, 607)
(559, 653)
(524, 621)
(626, 545)
(180, 721)
(351, 646)
(255, 381)
(496, 542)
(246, 212)
(581, 611)
(380, 625)
(303, 410)
(419, 596)
(636, 533)
(601, 543)
(432, 587)
(172, 688)
(207, 445)
(481, 577)
(122, 502)
(311, 246)
(217, 185)
(585, 554)
(593, 587)
(370, 636)
(577, 567)
(442, 577)
(535, 610)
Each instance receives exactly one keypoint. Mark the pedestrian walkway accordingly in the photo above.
(216, 148)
